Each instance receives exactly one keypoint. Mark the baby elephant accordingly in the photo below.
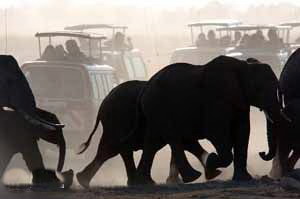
(117, 114)
(17, 135)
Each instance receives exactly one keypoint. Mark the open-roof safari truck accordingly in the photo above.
(70, 83)
(267, 43)
(206, 42)
(118, 51)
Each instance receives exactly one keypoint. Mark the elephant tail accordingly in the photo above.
(83, 147)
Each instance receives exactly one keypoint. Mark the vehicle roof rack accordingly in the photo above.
(292, 24)
(89, 36)
(82, 27)
(70, 34)
(253, 27)
(216, 22)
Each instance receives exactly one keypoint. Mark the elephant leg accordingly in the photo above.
(196, 149)
(293, 159)
(217, 130)
(104, 153)
(241, 133)
(173, 177)
(32, 157)
(34, 161)
(129, 165)
(187, 172)
(280, 162)
(4, 160)
(143, 173)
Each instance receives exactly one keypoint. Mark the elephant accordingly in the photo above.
(16, 94)
(287, 142)
(117, 114)
(17, 135)
(184, 103)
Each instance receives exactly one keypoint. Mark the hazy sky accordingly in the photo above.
(158, 3)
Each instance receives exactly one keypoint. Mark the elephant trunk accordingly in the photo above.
(271, 136)
(62, 154)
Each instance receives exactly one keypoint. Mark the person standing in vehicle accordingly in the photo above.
(73, 51)
(212, 40)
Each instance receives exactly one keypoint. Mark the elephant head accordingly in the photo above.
(16, 93)
(262, 90)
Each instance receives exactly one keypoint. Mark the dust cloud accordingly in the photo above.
(156, 31)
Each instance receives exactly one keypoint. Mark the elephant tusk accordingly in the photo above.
(285, 116)
(268, 117)
(5, 108)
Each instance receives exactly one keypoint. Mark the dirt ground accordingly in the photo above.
(260, 189)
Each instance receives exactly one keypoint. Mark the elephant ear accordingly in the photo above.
(234, 92)
(224, 84)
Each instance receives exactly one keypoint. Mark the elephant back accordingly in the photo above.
(290, 76)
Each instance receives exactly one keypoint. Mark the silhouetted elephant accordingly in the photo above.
(288, 139)
(19, 136)
(117, 114)
(16, 94)
(184, 102)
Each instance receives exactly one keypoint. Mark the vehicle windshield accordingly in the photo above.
(54, 82)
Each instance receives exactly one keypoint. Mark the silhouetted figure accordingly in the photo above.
(60, 52)
(73, 51)
(212, 40)
(237, 37)
(245, 41)
(201, 40)
(274, 41)
(49, 53)
(118, 42)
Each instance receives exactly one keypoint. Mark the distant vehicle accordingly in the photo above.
(267, 43)
(72, 89)
(296, 39)
(117, 51)
(208, 44)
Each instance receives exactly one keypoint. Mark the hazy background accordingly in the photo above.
(157, 28)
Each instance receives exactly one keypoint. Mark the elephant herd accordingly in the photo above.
(179, 105)
(183, 103)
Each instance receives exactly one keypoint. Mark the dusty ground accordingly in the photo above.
(217, 189)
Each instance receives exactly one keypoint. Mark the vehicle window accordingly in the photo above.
(101, 86)
(112, 81)
(54, 82)
(129, 67)
(139, 67)
(94, 86)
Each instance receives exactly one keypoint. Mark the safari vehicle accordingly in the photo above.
(267, 43)
(127, 60)
(71, 89)
(202, 49)
(294, 35)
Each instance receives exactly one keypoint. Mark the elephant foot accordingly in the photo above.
(45, 178)
(212, 173)
(67, 178)
(141, 179)
(211, 162)
(191, 176)
(241, 176)
(174, 180)
(83, 180)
